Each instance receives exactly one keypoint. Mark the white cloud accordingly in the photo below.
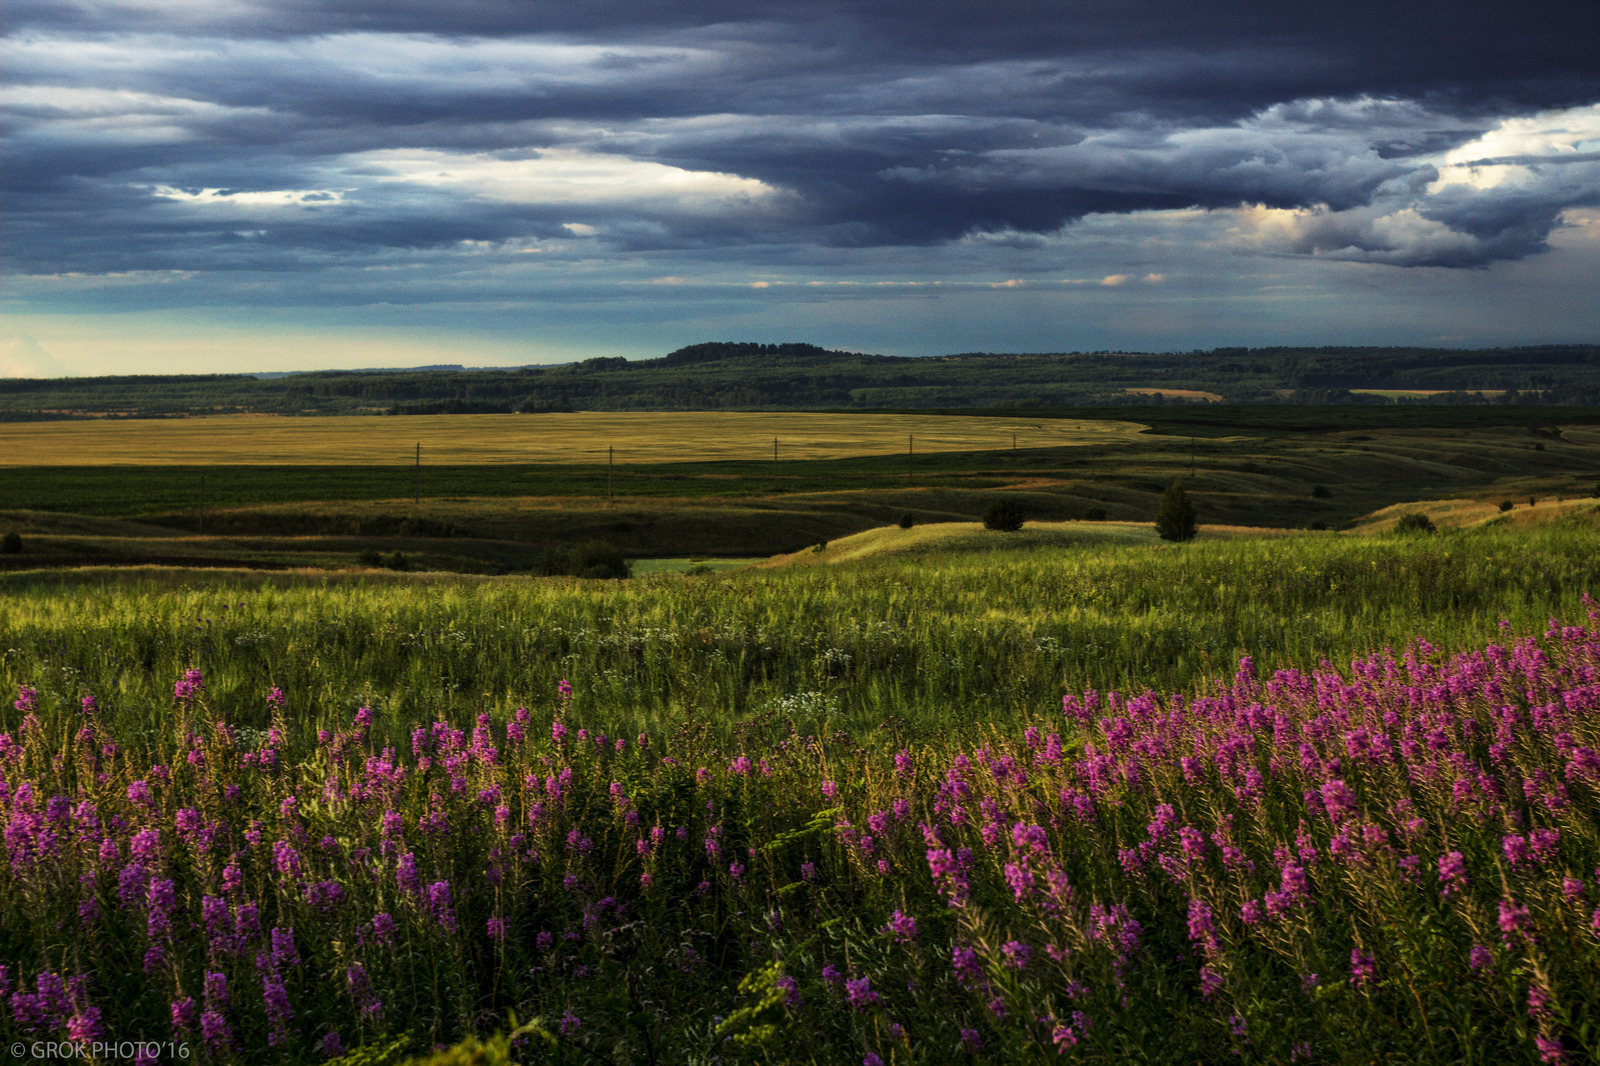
(22, 357)
(558, 176)
(261, 198)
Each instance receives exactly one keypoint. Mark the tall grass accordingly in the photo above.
(915, 645)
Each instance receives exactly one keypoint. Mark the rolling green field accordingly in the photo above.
(1243, 467)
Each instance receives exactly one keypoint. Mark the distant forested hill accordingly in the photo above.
(750, 376)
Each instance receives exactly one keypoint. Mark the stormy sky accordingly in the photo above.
(273, 184)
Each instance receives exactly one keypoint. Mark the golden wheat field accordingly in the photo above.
(636, 437)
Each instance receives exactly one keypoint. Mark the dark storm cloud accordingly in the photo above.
(269, 133)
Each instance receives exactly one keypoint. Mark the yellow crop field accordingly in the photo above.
(637, 437)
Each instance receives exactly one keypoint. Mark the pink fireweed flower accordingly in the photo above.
(902, 927)
(968, 969)
(1203, 926)
(1016, 955)
(1452, 873)
(439, 905)
(1363, 969)
(214, 1030)
(1515, 921)
(1552, 1051)
(184, 1016)
(860, 994)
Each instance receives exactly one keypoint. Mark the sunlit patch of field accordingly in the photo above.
(965, 537)
(1185, 394)
(1463, 514)
(584, 437)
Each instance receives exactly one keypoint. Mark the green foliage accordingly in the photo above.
(906, 520)
(397, 561)
(1414, 522)
(1175, 518)
(594, 559)
(11, 543)
(1506, 505)
(1095, 514)
(803, 376)
(1004, 516)
(1321, 492)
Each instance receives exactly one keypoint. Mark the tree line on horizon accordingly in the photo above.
(755, 376)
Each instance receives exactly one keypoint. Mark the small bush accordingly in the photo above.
(820, 546)
(1506, 505)
(1321, 492)
(11, 543)
(1175, 517)
(1095, 514)
(1005, 516)
(398, 561)
(370, 557)
(1414, 522)
(906, 521)
(1318, 526)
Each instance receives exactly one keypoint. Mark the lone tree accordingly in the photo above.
(1006, 516)
(1175, 517)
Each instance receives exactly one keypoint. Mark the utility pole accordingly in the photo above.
(611, 458)
(910, 451)
(202, 505)
(1013, 440)
(416, 478)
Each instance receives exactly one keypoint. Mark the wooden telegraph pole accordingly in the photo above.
(416, 478)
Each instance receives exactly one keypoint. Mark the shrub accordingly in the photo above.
(397, 561)
(906, 520)
(11, 543)
(1175, 516)
(1095, 514)
(595, 559)
(370, 557)
(1005, 516)
(1506, 505)
(1321, 492)
(1414, 522)
(820, 546)
(1318, 526)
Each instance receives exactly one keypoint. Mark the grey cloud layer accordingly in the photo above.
(274, 135)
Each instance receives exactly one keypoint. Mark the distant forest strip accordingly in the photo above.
(750, 376)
